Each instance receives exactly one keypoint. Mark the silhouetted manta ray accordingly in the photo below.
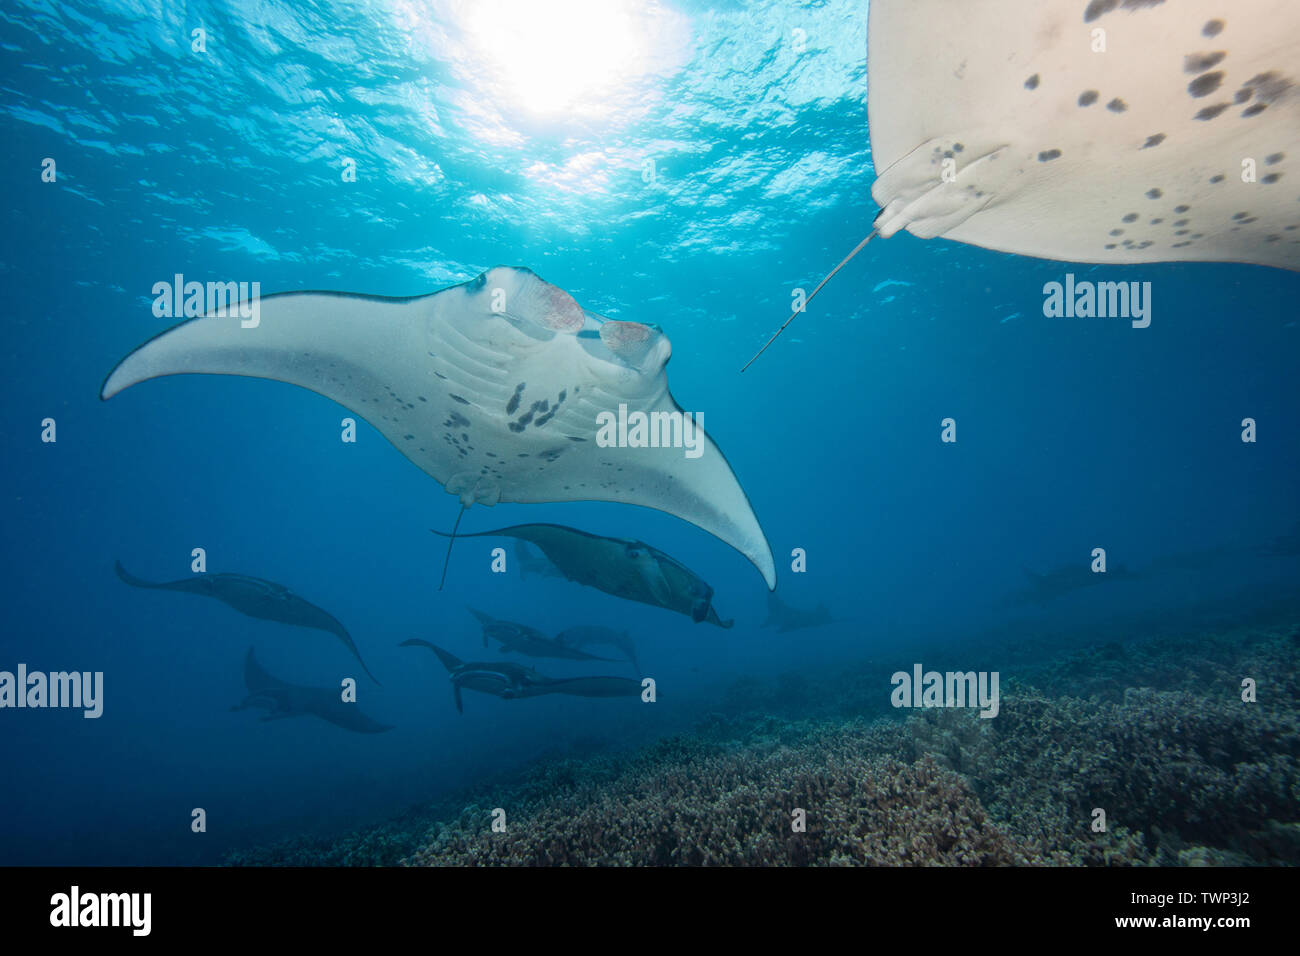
(282, 700)
(529, 641)
(619, 566)
(787, 618)
(1050, 585)
(256, 598)
(511, 681)
(495, 387)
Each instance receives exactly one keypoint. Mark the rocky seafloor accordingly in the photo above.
(1152, 731)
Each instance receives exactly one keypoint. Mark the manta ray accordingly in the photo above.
(512, 681)
(256, 598)
(529, 641)
(1104, 131)
(1047, 586)
(282, 700)
(494, 387)
(786, 618)
(619, 566)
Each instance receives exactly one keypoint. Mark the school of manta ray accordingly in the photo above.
(494, 387)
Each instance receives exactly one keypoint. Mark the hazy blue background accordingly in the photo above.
(482, 140)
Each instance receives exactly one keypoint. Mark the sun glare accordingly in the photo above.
(552, 55)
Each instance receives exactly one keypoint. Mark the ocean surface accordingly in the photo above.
(682, 164)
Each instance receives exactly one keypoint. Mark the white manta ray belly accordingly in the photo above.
(1090, 130)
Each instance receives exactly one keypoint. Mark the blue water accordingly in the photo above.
(479, 142)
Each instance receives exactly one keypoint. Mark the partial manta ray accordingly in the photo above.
(585, 635)
(256, 598)
(529, 641)
(787, 618)
(281, 699)
(624, 568)
(493, 387)
(1001, 124)
(1050, 585)
(530, 563)
(512, 681)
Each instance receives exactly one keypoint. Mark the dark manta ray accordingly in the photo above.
(1050, 585)
(529, 641)
(511, 681)
(624, 568)
(256, 598)
(281, 700)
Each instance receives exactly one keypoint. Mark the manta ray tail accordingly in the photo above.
(447, 560)
(449, 660)
(131, 579)
(830, 275)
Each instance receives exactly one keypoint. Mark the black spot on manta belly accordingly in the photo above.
(1270, 178)
(1274, 159)
(1182, 208)
(1088, 97)
(1098, 7)
(1117, 105)
(1131, 217)
(1211, 111)
(1206, 84)
(1154, 193)
(458, 398)
(1032, 82)
(1155, 139)
(1217, 178)
(1254, 110)
(1048, 155)
(1212, 28)
(1200, 62)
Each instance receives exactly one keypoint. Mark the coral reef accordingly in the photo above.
(1155, 733)
(688, 803)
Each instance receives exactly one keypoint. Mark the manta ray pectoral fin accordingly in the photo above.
(331, 343)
